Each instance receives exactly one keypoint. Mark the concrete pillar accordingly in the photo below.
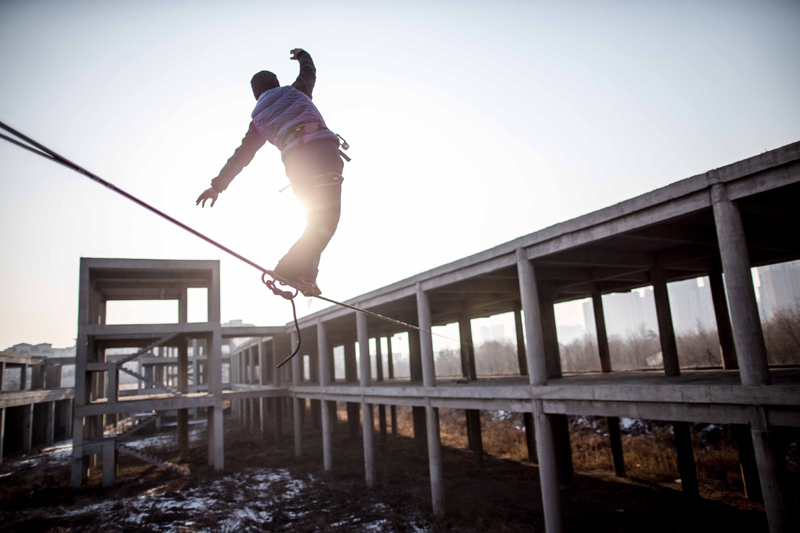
(467, 348)
(473, 416)
(280, 345)
(548, 470)
(686, 463)
(474, 436)
(216, 415)
(772, 471)
(431, 414)
(23, 377)
(530, 432)
(666, 330)
(109, 462)
(602, 335)
(435, 460)
(615, 436)
(297, 407)
(726, 344)
(520, 333)
(51, 423)
(325, 406)
(746, 324)
(351, 376)
(378, 360)
(2, 374)
(390, 369)
(426, 341)
(747, 460)
(379, 374)
(27, 428)
(418, 413)
(365, 380)
(534, 339)
(183, 376)
(530, 437)
(37, 376)
(537, 366)
(2, 431)
(550, 333)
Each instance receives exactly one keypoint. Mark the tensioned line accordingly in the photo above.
(49, 154)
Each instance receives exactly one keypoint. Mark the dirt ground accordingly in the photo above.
(264, 488)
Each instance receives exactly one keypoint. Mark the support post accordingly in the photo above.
(2, 431)
(520, 336)
(297, 416)
(381, 407)
(27, 428)
(666, 330)
(324, 380)
(365, 380)
(426, 341)
(431, 414)
(390, 369)
(545, 435)
(183, 375)
(351, 376)
(772, 471)
(686, 463)
(468, 369)
(602, 335)
(748, 335)
(727, 346)
(51, 423)
(417, 413)
(615, 436)
(216, 428)
(109, 462)
(534, 339)
(747, 460)
(548, 470)
(473, 416)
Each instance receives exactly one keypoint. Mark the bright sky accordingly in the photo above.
(471, 123)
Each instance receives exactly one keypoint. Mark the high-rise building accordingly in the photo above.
(780, 288)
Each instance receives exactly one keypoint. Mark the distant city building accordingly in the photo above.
(780, 288)
(495, 332)
(618, 306)
(691, 305)
(41, 350)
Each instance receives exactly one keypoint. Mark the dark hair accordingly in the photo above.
(263, 81)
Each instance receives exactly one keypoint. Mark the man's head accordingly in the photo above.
(263, 81)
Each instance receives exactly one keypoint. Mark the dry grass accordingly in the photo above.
(696, 349)
(648, 448)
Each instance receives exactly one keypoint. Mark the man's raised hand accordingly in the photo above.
(294, 53)
(208, 194)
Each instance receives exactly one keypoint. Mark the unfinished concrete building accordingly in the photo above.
(718, 224)
(38, 411)
(105, 415)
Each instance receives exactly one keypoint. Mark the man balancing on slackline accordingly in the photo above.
(286, 117)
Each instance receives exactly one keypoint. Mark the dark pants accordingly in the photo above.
(311, 169)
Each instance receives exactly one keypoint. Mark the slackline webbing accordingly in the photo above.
(49, 154)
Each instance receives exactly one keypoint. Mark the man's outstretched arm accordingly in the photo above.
(308, 72)
(241, 158)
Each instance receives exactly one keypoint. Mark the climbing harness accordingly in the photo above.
(313, 128)
(49, 154)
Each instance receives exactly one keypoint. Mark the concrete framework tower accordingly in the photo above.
(103, 280)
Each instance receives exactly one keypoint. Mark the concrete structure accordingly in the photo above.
(38, 411)
(724, 221)
(164, 369)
